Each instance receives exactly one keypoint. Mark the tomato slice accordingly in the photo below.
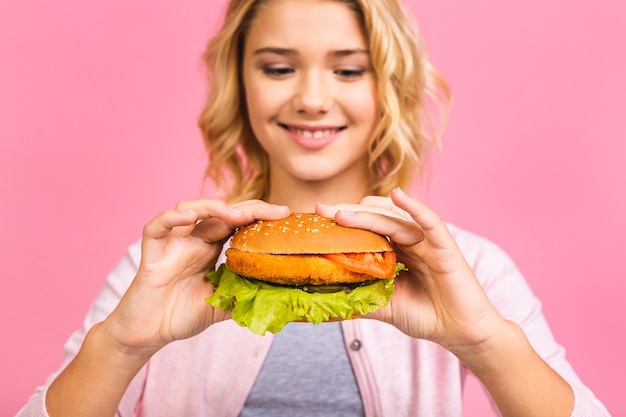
(377, 264)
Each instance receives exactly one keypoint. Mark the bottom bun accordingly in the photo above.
(263, 307)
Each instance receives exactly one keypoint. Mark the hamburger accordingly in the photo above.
(303, 268)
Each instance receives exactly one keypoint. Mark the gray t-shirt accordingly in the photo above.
(306, 373)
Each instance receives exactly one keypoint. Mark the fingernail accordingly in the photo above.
(347, 212)
(401, 191)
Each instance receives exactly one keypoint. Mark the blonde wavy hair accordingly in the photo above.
(414, 100)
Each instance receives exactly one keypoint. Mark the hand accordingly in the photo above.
(165, 302)
(439, 297)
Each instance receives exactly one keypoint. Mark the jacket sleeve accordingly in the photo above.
(107, 299)
(513, 298)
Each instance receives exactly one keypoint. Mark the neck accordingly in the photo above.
(303, 196)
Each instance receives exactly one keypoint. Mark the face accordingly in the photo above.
(310, 91)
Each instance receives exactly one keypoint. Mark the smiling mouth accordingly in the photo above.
(312, 133)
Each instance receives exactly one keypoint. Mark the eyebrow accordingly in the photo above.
(288, 52)
(348, 52)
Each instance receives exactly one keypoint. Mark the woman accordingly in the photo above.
(316, 105)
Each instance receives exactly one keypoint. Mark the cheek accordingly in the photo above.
(363, 105)
(253, 95)
(263, 100)
(255, 107)
(252, 98)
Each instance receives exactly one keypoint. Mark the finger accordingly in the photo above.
(213, 220)
(386, 203)
(430, 222)
(378, 219)
(260, 210)
(330, 211)
(375, 200)
(421, 213)
(182, 221)
(375, 204)
(213, 230)
(219, 225)
(156, 230)
(403, 232)
(163, 224)
(208, 208)
(235, 214)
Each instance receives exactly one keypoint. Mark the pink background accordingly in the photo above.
(98, 107)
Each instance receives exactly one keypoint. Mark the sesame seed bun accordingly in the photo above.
(288, 251)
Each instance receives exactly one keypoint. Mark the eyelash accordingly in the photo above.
(284, 71)
(277, 72)
(350, 73)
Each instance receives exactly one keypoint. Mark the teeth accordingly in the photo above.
(315, 135)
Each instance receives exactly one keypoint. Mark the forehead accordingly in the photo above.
(315, 21)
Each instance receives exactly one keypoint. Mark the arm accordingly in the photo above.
(511, 295)
(160, 305)
(105, 302)
(441, 300)
(520, 382)
(94, 382)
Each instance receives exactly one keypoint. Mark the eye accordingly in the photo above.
(350, 73)
(277, 72)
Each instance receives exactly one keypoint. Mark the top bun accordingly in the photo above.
(306, 233)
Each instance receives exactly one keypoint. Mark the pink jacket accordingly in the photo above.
(212, 373)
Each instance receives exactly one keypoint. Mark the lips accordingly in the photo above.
(312, 137)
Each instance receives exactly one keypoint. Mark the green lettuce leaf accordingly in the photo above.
(268, 308)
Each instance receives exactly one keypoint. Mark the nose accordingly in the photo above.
(313, 96)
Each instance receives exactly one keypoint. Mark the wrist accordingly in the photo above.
(507, 340)
(520, 382)
(120, 343)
